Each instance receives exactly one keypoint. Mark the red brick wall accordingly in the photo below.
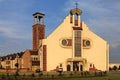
(38, 33)
(44, 58)
(71, 18)
(76, 22)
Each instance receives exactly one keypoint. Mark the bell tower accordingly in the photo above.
(77, 28)
(38, 29)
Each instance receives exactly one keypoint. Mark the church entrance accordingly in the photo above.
(75, 66)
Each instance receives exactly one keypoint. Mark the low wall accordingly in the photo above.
(13, 70)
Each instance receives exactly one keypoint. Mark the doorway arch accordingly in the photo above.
(81, 67)
(68, 67)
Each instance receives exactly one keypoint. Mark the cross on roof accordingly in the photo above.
(76, 4)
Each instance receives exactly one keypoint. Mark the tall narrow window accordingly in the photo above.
(76, 19)
(77, 43)
(76, 16)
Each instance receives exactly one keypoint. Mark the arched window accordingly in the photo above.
(76, 16)
(36, 59)
(76, 19)
(68, 67)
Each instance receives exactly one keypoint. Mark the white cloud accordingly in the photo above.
(13, 30)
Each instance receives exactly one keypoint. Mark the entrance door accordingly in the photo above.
(68, 67)
(81, 67)
(75, 66)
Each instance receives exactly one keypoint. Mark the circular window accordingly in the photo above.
(87, 43)
(64, 42)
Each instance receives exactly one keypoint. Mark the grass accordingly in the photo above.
(69, 76)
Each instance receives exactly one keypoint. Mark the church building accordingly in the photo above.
(72, 46)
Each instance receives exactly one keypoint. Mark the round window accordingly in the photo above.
(64, 42)
(87, 43)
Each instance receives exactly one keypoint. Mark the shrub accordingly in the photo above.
(3, 77)
(16, 74)
(32, 75)
(7, 74)
(40, 74)
(24, 75)
(71, 74)
(110, 68)
(82, 73)
(52, 76)
(119, 67)
(114, 67)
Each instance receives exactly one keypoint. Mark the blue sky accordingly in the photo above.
(16, 20)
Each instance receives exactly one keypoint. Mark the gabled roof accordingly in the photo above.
(33, 52)
(12, 56)
(20, 54)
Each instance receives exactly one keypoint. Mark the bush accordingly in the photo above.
(110, 68)
(7, 74)
(40, 74)
(82, 73)
(32, 75)
(3, 77)
(114, 67)
(52, 76)
(24, 75)
(16, 74)
(71, 74)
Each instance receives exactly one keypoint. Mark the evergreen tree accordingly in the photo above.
(115, 67)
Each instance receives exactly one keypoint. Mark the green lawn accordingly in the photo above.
(77, 76)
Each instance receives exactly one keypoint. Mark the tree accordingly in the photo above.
(119, 67)
(0, 66)
(110, 68)
(16, 65)
(114, 67)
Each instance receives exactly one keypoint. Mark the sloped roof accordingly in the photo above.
(12, 56)
(33, 52)
(20, 54)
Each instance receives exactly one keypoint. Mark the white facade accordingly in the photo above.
(74, 47)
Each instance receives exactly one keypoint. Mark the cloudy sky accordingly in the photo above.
(16, 20)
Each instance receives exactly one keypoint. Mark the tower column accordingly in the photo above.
(38, 29)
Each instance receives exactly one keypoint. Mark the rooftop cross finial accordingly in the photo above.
(76, 4)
